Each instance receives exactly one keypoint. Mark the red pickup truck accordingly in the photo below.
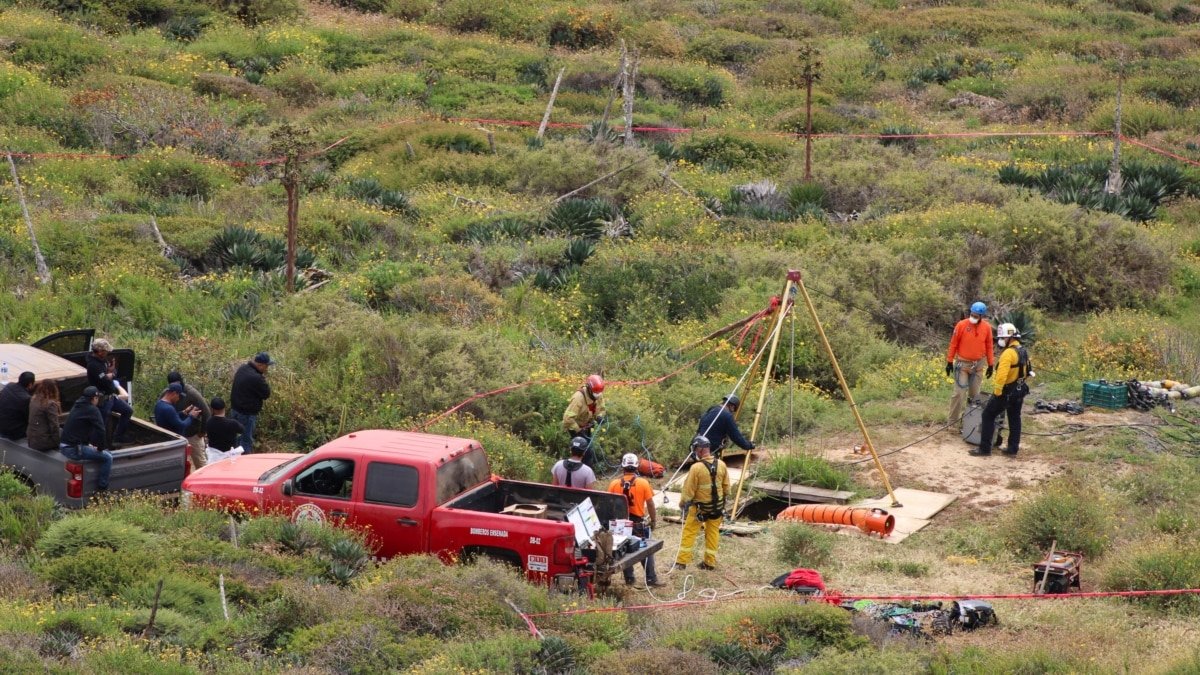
(415, 493)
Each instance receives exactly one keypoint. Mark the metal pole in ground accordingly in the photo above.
(785, 301)
(812, 310)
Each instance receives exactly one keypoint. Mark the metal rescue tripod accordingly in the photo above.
(794, 283)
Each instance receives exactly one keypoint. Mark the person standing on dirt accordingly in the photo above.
(703, 504)
(640, 496)
(250, 389)
(584, 411)
(718, 425)
(970, 352)
(572, 472)
(1009, 392)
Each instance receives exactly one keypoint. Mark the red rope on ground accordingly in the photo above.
(1160, 151)
(834, 598)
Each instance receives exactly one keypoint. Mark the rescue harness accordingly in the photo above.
(715, 508)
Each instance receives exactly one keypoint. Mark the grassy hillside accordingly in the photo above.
(451, 269)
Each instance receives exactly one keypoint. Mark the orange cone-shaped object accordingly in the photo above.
(875, 521)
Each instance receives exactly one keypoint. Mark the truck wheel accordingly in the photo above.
(472, 554)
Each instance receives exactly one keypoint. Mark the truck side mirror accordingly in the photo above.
(287, 488)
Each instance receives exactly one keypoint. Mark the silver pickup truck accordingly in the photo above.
(155, 462)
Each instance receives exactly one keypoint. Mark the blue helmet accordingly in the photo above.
(979, 308)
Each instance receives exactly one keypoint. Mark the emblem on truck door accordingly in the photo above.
(308, 513)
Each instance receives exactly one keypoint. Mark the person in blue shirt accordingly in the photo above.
(717, 424)
(167, 417)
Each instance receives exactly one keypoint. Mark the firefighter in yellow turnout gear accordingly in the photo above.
(703, 503)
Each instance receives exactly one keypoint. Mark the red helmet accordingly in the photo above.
(595, 384)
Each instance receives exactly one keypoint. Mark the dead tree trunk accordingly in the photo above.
(42, 269)
(1114, 183)
(627, 88)
(550, 105)
(602, 131)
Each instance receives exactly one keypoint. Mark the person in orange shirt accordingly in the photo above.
(970, 349)
(640, 495)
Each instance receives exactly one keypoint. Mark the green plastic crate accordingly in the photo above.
(1105, 394)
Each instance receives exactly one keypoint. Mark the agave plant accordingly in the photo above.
(578, 251)
(580, 217)
(600, 132)
(1011, 174)
(1140, 208)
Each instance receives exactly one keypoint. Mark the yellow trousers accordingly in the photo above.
(712, 538)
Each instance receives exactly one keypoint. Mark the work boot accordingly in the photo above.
(1008, 453)
(655, 584)
(976, 452)
(706, 566)
(677, 566)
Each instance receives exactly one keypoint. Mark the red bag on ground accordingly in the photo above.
(648, 468)
(805, 577)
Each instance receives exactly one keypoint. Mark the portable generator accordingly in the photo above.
(1061, 571)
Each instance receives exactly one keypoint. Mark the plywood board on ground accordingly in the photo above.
(918, 504)
(793, 492)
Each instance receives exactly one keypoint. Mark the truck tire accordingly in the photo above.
(503, 556)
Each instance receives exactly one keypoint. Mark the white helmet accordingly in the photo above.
(1007, 330)
(629, 461)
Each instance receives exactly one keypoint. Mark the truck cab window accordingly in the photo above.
(461, 473)
(328, 478)
(391, 484)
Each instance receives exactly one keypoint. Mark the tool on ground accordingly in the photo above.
(1058, 573)
(871, 521)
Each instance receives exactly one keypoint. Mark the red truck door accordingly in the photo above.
(391, 508)
(323, 490)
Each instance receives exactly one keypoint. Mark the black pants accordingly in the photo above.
(1010, 402)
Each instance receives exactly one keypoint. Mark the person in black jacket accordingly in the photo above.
(84, 433)
(14, 406)
(224, 434)
(250, 389)
(717, 424)
(114, 398)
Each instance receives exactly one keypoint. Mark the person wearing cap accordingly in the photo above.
(83, 434)
(970, 352)
(250, 389)
(14, 406)
(703, 502)
(167, 417)
(584, 411)
(224, 433)
(192, 398)
(114, 398)
(640, 496)
(572, 472)
(718, 425)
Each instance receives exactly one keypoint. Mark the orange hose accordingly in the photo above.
(871, 521)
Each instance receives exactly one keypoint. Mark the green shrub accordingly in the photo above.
(180, 593)
(58, 50)
(1065, 510)
(694, 85)
(456, 141)
(357, 646)
(655, 660)
(12, 486)
(102, 572)
(23, 519)
(1138, 117)
(722, 46)
(508, 455)
(577, 28)
(255, 12)
(87, 531)
(169, 625)
(802, 469)
(802, 545)
(1158, 565)
(724, 152)
(177, 174)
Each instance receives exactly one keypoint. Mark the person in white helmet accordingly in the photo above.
(1009, 392)
(640, 495)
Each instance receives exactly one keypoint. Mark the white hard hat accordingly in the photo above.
(629, 460)
(1007, 330)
